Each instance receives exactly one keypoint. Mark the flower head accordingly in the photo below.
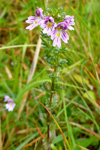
(48, 25)
(69, 20)
(6, 98)
(10, 104)
(35, 21)
(39, 12)
(12, 63)
(59, 33)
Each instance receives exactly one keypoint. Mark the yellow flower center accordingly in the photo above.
(35, 22)
(11, 104)
(58, 34)
(49, 25)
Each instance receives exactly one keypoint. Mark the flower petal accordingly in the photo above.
(69, 21)
(10, 106)
(6, 98)
(31, 18)
(53, 34)
(49, 32)
(55, 42)
(29, 21)
(45, 30)
(7, 105)
(70, 28)
(30, 27)
(59, 42)
(42, 24)
(38, 12)
(65, 37)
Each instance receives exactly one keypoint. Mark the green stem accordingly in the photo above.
(48, 119)
(70, 134)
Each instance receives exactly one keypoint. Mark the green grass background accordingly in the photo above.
(78, 103)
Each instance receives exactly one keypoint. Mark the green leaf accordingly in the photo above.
(92, 95)
(85, 142)
(79, 79)
(25, 142)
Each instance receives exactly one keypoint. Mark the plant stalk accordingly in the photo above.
(48, 116)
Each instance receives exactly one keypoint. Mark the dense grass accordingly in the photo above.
(77, 114)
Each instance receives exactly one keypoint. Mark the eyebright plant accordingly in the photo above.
(10, 105)
(13, 63)
(54, 25)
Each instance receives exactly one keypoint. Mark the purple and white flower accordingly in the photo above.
(39, 12)
(48, 25)
(10, 104)
(35, 20)
(12, 63)
(59, 33)
(6, 98)
(69, 20)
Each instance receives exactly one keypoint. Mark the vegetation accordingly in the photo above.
(75, 117)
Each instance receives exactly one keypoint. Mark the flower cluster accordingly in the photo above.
(57, 31)
(10, 104)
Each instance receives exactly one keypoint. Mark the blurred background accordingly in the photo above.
(21, 130)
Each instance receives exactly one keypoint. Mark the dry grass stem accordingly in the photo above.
(31, 74)
(85, 129)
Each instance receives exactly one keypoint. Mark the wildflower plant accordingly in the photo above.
(54, 26)
(10, 105)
